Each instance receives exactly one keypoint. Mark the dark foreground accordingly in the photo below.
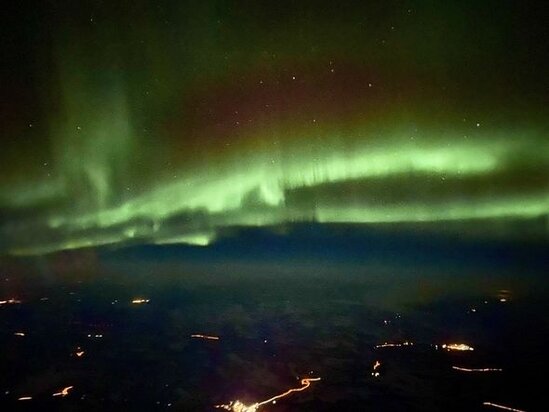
(84, 332)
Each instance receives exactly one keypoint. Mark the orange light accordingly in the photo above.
(457, 346)
(237, 406)
(140, 301)
(64, 392)
(375, 372)
(305, 382)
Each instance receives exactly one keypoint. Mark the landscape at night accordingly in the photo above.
(274, 206)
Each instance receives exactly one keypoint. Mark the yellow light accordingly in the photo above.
(457, 347)
(10, 302)
(305, 382)
(25, 398)
(64, 392)
(237, 406)
(375, 373)
(19, 334)
(140, 301)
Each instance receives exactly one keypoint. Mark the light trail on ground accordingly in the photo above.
(459, 368)
(394, 345)
(208, 337)
(64, 392)
(506, 408)
(237, 406)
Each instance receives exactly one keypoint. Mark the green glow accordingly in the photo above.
(198, 239)
(171, 133)
(217, 192)
(504, 208)
(252, 191)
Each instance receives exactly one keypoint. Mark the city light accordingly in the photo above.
(507, 408)
(140, 301)
(393, 345)
(64, 392)
(10, 302)
(237, 406)
(208, 337)
(375, 369)
(457, 347)
(458, 368)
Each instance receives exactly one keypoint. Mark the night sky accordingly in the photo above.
(180, 122)
(215, 205)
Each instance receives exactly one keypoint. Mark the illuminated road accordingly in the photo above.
(208, 337)
(457, 347)
(64, 392)
(458, 368)
(394, 345)
(10, 302)
(237, 406)
(506, 408)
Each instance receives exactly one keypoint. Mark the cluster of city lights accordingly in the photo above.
(237, 406)
(457, 347)
(375, 369)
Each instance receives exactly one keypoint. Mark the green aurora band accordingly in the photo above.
(265, 144)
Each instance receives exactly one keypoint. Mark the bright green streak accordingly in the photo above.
(224, 190)
(223, 193)
(95, 142)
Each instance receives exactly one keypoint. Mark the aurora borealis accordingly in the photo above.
(173, 122)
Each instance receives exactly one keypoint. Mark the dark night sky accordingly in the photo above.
(141, 122)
